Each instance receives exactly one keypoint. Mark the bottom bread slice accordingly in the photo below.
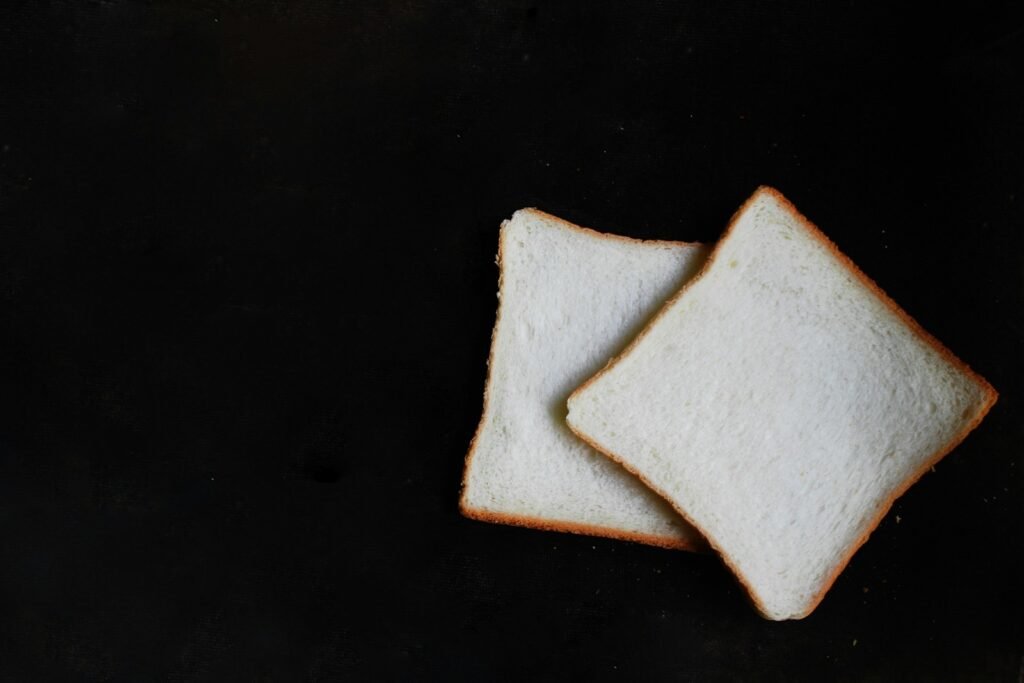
(781, 402)
(570, 298)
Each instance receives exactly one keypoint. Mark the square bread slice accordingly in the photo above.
(781, 402)
(570, 298)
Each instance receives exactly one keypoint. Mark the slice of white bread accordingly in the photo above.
(570, 298)
(781, 402)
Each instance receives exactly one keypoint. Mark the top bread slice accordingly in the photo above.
(570, 298)
(781, 402)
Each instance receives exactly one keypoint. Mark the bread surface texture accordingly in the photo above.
(570, 298)
(781, 402)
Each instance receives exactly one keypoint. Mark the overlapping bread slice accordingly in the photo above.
(781, 402)
(570, 298)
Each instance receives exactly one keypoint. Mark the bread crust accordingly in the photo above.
(669, 542)
(991, 395)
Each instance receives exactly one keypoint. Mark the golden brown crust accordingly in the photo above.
(668, 542)
(990, 393)
(537, 522)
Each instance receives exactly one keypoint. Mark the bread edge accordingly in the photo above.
(991, 395)
(540, 523)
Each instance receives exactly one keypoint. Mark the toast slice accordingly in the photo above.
(781, 402)
(570, 298)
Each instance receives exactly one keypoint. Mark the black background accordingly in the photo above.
(247, 286)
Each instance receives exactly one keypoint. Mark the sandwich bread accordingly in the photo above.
(780, 402)
(570, 298)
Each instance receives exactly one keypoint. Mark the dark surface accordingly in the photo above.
(247, 287)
